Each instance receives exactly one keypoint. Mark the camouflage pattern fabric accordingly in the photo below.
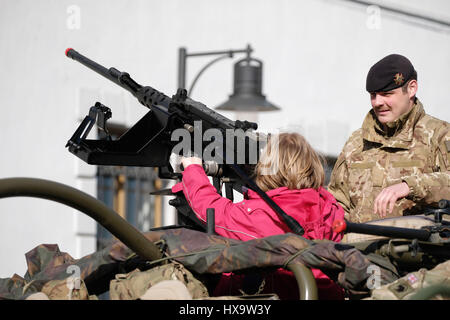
(49, 271)
(415, 149)
(203, 253)
(408, 286)
(133, 285)
(71, 288)
(199, 253)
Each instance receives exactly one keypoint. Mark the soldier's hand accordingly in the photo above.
(385, 201)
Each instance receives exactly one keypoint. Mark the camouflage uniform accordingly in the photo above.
(415, 149)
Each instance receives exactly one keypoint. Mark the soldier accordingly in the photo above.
(399, 160)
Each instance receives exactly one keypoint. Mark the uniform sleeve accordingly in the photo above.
(338, 185)
(432, 187)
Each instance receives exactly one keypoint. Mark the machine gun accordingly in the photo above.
(149, 143)
(410, 248)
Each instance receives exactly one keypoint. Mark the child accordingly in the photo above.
(295, 185)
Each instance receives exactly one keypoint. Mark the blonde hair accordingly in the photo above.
(293, 161)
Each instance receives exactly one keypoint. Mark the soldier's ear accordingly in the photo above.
(412, 88)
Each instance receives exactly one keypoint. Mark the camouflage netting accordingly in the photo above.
(200, 253)
(46, 263)
(203, 253)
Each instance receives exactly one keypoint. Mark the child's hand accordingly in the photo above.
(186, 162)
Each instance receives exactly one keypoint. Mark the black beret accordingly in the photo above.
(389, 73)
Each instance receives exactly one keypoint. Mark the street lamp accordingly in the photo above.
(247, 97)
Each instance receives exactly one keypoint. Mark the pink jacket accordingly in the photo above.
(253, 218)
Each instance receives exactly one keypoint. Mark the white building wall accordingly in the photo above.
(316, 55)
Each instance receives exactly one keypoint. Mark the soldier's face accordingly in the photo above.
(391, 105)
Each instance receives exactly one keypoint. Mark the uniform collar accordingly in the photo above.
(398, 134)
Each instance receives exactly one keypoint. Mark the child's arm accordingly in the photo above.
(199, 192)
(230, 220)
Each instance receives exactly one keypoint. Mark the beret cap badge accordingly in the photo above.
(389, 73)
(399, 79)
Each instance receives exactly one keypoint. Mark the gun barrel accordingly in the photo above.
(111, 74)
(385, 231)
(147, 96)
